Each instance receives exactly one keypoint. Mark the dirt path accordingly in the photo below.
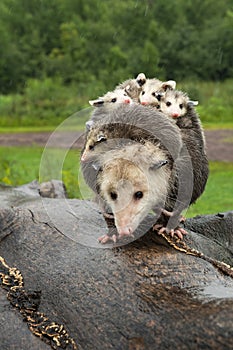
(219, 142)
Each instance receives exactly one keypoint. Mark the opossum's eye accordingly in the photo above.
(153, 94)
(113, 195)
(158, 106)
(114, 99)
(138, 195)
(168, 104)
(181, 106)
(91, 147)
(143, 92)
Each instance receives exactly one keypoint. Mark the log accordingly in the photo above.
(141, 295)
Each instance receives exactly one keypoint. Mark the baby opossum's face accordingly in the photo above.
(110, 99)
(95, 137)
(151, 88)
(130, 193)
(173, 105)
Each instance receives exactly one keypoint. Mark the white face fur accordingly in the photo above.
(174, 104)
(112, 98)
(132, 191)
(151, 88)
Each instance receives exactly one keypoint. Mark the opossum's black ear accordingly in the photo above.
(169, 85)
(141, 79)
(101, 138)
(192, 103)
(96, 103)
(158, 164)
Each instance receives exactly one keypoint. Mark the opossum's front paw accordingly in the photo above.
(179, 231)
(107, 239)
(121, 236)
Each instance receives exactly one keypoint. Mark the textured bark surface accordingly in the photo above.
(143, 295)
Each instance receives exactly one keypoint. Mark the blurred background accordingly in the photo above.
(57, 55)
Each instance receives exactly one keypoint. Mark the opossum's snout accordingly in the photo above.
(86, 153)
(125, 231)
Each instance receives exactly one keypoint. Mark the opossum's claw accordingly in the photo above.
(158, 227)
(106, 239)
(179, 231)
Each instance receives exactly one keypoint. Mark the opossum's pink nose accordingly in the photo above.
(127, 101)
(175, 115)
(125, 231)
(83, 158)
(144, 103)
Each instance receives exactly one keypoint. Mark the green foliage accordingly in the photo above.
(215, 100)
(84, 42)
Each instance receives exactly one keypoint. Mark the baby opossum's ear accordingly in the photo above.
(96, 103)
(169, 85)
(158, 164)
(159, 95)
(192, 103)
(141, 79)
(127, 89)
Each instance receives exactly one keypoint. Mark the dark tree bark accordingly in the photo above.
(143, 295)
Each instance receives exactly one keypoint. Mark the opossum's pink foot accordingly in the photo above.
(106, 239)
(179, 231)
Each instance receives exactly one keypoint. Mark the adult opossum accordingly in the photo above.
(141, 124)
(151, 88)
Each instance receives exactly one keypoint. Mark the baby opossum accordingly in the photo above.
(109, 101)
(133, 87)
(112, 98)
(177, 105)
(151, 88)
(143, 125)
(174, 103)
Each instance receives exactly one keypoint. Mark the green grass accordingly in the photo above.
(22, 165)
(218, 195)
